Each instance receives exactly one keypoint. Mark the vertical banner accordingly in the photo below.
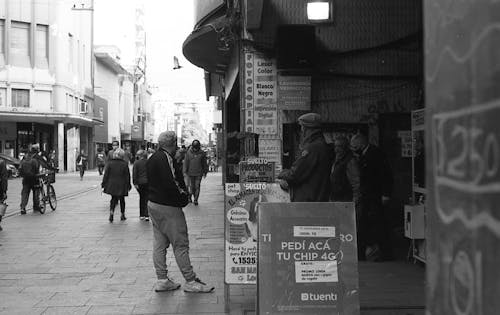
(241, 228)
(261, 109)
(307, 259)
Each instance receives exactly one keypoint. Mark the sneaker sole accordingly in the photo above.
(169, 289)
(189, 291)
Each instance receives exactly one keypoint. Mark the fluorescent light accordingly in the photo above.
(317, 11)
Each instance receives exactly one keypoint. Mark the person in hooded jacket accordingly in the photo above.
(309, 177)
(116, 182)
(195, 167)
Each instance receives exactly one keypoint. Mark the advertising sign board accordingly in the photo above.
(259, 170)
(241, 228)
(307, 260)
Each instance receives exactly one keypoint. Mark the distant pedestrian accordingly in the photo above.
(81, 163)
(195, 167)
(309, 177)
(3, 188)
(167, 195)
(100, 160)
(53, 160)
(116, 182)
(115, 145)
(140, 181)
(29, 168)
(374, 239)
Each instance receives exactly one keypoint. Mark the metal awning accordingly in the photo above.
(49, 118)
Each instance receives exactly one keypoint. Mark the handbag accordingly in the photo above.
(3, 208)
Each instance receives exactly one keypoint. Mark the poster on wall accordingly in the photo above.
(260, 105)
(307, 260)
(256, 170)
(270, 150)
(294, 92)
(241, 227)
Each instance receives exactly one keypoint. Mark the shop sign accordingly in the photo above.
(260, 100)
(256, 170)
(8, 131)
(241, 209)
(294, 92)
(307, 260)
(406, 143)
(270, 150)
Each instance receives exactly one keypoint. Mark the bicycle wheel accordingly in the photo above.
(52, 197)
(43, 201)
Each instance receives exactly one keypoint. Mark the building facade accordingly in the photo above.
(46, 79)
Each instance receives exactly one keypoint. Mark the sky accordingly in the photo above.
(167, 25)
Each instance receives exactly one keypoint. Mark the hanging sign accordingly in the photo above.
(241, 228)
(307, 259)
(294, 92)
(260, 105)
(256, 170)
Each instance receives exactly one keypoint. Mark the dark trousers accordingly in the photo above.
(100, 168)
(30, 185)
(373, 228)
(195, 183)
(82, 170)
(114, 202)
(143, 200)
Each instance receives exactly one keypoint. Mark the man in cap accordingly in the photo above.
(309, 176)
(166, 188)
(375, 190)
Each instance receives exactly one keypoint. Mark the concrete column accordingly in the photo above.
(60, 146)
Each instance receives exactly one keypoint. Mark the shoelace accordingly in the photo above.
(199, 281)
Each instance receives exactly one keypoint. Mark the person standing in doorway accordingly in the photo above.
(81, 163)
(29, 169)
(374, 238)
(116, 182)
(344, 176)
(195, 167)
(309, 177)
(140, 181)
(166, 196)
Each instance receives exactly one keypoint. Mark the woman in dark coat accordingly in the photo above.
(116, 182)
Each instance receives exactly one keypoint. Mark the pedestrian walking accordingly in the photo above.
(3, 189)
(309, 177)
(115, 145)
(29, 168)
(81, 163)
(195, 167)
(116, 182)
(53, 160)
(167, 195)
(100, 160)
(375, 190)
(140, 181)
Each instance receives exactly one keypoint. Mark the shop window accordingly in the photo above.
(42, 41)
(20, 98)
(2, 35)
(3, 93)
(70, 53)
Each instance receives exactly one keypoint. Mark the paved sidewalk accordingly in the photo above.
(73, 261)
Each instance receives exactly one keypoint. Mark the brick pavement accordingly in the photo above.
(73, 261)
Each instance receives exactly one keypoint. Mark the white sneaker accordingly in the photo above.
(141, 218)
(166, 285)
(197, 286)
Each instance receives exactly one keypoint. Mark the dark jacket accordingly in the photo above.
(100, 159)
(116, 179)
(195, 163)
(3, 180)
(375, 174)
(31, 160)
(309, 176)
(344, 179)
(81, 158)
(162, 188)
(140, 172)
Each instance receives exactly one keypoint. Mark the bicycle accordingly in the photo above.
(47, 191)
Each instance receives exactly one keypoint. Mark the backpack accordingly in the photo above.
(26, 167)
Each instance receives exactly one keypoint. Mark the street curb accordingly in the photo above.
(68, 196)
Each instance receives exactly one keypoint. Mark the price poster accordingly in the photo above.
(256, 171)
(241, 205)
(307, 259)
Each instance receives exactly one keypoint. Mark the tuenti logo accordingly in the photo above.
(318, 296)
